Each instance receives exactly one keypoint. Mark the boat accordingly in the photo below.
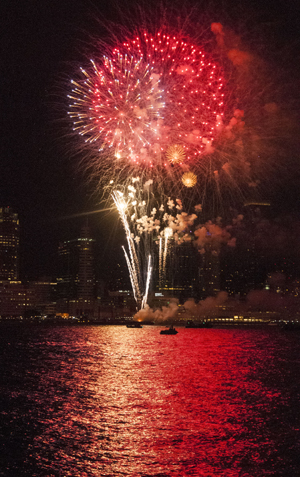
(134, 325)
(169, 331)
(203, 324)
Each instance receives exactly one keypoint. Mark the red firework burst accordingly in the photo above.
(117, 104)
(193, 90)
(152, 92)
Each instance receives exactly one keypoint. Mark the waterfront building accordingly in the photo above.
(244, 267)
(209, 272)
(181, 278)
(118, 276)
(9, 244)
(76, 276)
(16, 299)
(44, 295)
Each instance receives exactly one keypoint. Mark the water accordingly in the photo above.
(112, 401)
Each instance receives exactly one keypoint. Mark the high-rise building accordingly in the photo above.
(9, 244)
(86, 274)
(44, 295)
(76, 278)
(16, 299)
(209, 273)
(244, 267)
(182, 271)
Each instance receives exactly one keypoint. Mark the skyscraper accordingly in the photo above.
(182, 271)
(9, 244)
(209, 272)
(244, 267)
(76, 279)
(86, 275)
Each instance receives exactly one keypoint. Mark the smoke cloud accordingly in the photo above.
(160, 314)
(205, 307)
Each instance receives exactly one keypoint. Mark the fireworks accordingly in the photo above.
(116, 105)
(189, 179)
(150, 227)
(136, 259)
(193, 89)
(175, 154)
(153, 102)
(132, 261)
(166, 234)
(184, 117)
(164, 101)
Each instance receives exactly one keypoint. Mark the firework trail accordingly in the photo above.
(163, 254)
(150, 226)
(130, 207)
(132, 262)
(153, 232)
(149, 272)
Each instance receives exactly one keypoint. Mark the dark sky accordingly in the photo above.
(39, 177)
(41, 41)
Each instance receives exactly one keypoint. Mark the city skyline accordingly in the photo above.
(235, 259)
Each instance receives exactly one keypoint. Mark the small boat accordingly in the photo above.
(203, 324)
(169, 331)
(134, 325)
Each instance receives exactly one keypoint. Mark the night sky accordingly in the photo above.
(42, 42)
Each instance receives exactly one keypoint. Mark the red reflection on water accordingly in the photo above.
(115, 401)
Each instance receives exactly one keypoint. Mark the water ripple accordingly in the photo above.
(112, 401)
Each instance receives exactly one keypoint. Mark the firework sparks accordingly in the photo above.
(193, 89)
(165, 100)
(149, 273)
(189, 179)
(150, 228)
(116, 105)
(133, 263)
(151, 103)
(148, 224)
(161, 106)
(175, 154)
(163, 252)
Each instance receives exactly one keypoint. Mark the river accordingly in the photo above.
(111, 401)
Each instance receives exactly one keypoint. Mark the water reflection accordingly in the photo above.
(113, 401)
